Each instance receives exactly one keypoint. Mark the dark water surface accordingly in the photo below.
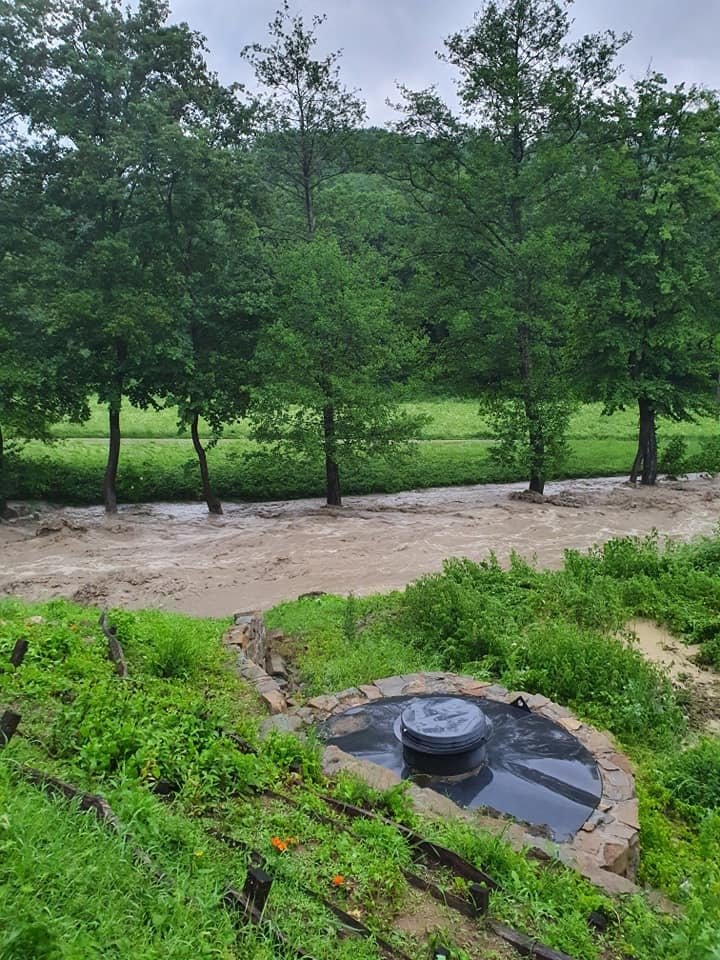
(536, 771)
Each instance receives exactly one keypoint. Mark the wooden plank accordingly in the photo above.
(235, 901)
(115, 650)
(525, 946)
(243, 745)
(19, 651)
(93, 803)
(434, 852)
(8, 725)
(466, 907)
(350, 924)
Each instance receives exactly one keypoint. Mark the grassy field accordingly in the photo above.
(70, 889)
(448, 420)
(157, 464)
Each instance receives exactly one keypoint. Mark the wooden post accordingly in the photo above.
(19, 651)
(115, 650)
(479, 896)
(525, 946)
(8, 725)
(257, 888)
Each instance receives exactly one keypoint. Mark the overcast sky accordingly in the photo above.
(385, 41)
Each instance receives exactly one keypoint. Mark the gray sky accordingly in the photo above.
(395, 40)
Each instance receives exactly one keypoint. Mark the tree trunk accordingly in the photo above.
(3, 492)
(332, 471)
(309, 206)
(532, 413)
(110, 482)
(536, 435)
(647, 445)
(213, 503)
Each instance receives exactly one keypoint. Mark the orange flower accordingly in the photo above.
(338, 880)
(279, 844)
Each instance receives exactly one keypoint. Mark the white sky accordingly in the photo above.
(385, 41)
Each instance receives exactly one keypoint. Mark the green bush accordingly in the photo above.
(673, 458)
(170, 645)
(709, 457)
(692, 777)
(515, 626)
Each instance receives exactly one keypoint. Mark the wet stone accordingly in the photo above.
(627, 811)
(536, 701)
(305, 714)
(594, 741)
(377, 777)
(274, 701)
(620, 761)
(615, 857)
(429, 803)
(570, 724)
(244, 619)
(622, 831)
(278, 667)
(555, 712)
(475, 688)
(352, 723)
(325, 703)
(617, 785)
(495, 692)
(282, 722)
(391, 686)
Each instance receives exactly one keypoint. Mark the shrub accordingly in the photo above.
(709, 457)
(170, 645)
(673, 458)
(538, 631)
(693, 776)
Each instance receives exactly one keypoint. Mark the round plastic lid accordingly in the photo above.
(443, 725)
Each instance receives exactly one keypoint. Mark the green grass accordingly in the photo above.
(71, 471)
(156, 464)
(70, 889)
(557, 633)
(449, 419)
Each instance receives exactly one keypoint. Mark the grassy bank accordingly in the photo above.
(557, 633)
(156, 464)
(71, 471)
(169, 722)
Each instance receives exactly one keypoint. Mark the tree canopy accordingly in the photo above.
(172, 240)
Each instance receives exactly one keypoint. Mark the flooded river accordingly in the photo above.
(176, 557)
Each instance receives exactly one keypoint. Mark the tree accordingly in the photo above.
(38, 382)
(501, 181)
(309, 116)
(333, 362)
(115, 82)
(211, 236)
(654, 220)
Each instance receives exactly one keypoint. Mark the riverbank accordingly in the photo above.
(176, 557)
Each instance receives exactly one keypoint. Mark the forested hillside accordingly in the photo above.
(263, 256)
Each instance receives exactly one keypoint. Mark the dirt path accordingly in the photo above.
(175, 556)
(677, 661)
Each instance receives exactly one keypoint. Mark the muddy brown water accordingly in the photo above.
(176, 557)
